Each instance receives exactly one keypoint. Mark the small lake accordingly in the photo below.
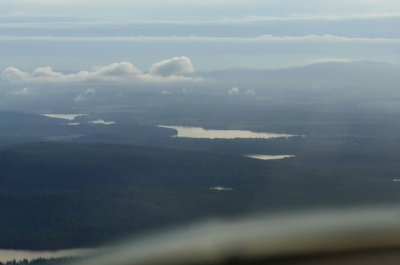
(69, 117)
(270, 157)
(198, 132)
(10, 255)
(102, 122)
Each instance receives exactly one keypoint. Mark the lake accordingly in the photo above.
(270, 157)
(102, 122)
(199, 132)
(69, 117)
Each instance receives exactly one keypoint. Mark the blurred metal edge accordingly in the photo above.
(262, 238)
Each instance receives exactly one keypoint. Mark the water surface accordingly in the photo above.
(102, 122)
(69, 117)
(198, 132)
(270, 157)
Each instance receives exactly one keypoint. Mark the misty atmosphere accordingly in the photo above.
(126, 117)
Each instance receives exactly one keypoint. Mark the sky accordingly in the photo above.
(56, 37)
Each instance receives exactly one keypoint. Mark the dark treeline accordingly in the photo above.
(42, 261)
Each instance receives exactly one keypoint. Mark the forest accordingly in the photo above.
(68, 195)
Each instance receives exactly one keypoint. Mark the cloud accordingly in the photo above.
(83, 95)
(23, 92)
(171, 70)
(207, 39)
(62, 22)
(250, 92)
(309, 17)
(172, 67)
(234, 90)
(331, 60)
(14, 73)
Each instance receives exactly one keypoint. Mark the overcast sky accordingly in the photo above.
(75, 35)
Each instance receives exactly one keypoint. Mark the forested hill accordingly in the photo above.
(91, 166)
(55, 195)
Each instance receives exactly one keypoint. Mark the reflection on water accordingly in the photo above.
(102, 122)
(9, 255)
(69, 117)
(270, 157)
(198, 132)
(219, 188)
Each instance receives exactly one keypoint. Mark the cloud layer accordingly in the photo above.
(23, 92)
(171, 70)
(204, 39)
(82, 96)
(60, 22)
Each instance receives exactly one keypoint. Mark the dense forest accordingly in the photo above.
(67, 186)
(67, 195)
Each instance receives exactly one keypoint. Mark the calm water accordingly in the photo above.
(9, 255)
(270, 157)
(69, 117)
(102, 122)
(198, 132)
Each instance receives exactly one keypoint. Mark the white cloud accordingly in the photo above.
(23, 92)
(205, 39)
(172, 67)
(165, 71)
(250, 92)
(310, 17)
(331, 60)
(83, 95)
(234, 90)
(78, 22)
(165, 92)
(14, 73)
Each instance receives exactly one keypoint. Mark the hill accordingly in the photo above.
(56, 195)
